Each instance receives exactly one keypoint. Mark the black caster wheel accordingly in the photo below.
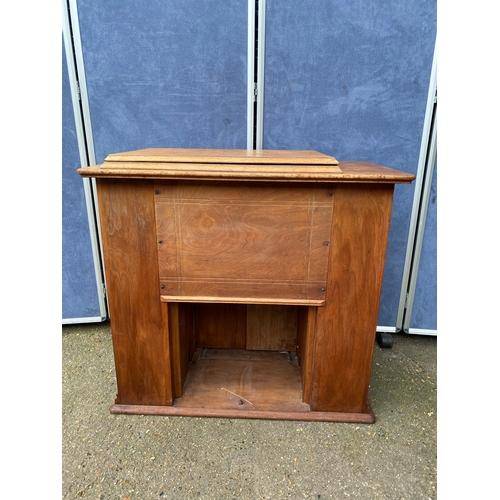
(384, 340)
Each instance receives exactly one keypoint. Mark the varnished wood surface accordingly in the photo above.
(173, 259)
(242, 300)
(140, 341)
(271, 328)
(245, 355)
(266, 165)
(214, 412)
(346, 326)
(306, 331)
(244, 156)
(365, 172)
(243, 291)
(220, 325)
(182, 341)
(221, 171)
(360, 172)
(243, 384)
(243, 240)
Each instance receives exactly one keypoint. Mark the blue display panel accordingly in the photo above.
(351, 79)
(165, 74)
(79, 288)
(424, 312)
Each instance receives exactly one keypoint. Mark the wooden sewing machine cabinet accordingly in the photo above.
(243, 283)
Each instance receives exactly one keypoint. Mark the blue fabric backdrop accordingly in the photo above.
(345, 78)
(351, 79)
(165, 74)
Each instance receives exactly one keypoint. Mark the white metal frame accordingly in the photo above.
(250, 73)
(431, 162)
(423, 182)
(256, 88)
(261, 46)
(71, 36)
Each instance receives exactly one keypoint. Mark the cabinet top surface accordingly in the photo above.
(240, 164)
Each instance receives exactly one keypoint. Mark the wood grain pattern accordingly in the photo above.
(220, 326)
(306, 330)
(244, 355)
(242, 300)
(271, 328)
(243, 384)
(297, 169)
(214, 412)
(140, 341)
(182, 342)
(222, 172)
(366, 172)
(272, 232)
(346, 326)
(243, 291)
(221, 239)
(244, 156)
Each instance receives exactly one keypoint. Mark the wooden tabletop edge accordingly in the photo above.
(242, 156)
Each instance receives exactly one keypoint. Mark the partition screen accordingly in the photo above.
(158, 74)
(351, 79)
(165, 74)
(424, 310)
(80, 297)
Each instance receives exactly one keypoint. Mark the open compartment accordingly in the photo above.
(238, 358)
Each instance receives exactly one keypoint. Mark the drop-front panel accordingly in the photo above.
(240, 240)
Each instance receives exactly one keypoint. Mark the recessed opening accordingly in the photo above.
(239, 357)
(237, 379)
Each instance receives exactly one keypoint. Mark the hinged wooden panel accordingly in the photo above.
(241, 240)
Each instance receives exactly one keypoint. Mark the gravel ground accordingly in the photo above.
(120, 457)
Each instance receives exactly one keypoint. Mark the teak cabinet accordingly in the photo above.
(243, 283)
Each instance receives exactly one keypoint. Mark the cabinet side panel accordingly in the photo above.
(346, 326)
(140, 343)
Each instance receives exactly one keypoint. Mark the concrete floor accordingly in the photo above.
(119, 457)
